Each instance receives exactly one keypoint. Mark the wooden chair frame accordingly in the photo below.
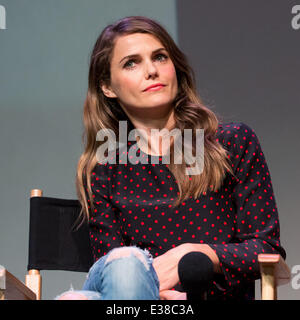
(273, 269)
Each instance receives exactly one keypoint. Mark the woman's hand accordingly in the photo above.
(166, 266)
(172, 295)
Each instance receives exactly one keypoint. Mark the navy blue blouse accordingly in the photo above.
(238, 221)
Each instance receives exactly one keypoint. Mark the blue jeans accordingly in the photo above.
(123, 277)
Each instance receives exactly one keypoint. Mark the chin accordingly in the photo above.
(159, 102)
(158, 105)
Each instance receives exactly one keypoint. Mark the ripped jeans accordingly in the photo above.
(125, 273)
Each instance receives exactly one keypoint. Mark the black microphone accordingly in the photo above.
(195, 270)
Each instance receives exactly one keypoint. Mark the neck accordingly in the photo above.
(146, 124)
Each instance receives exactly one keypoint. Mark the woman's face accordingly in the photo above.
(148, 63)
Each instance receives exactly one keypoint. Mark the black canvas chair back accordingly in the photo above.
(55, 240)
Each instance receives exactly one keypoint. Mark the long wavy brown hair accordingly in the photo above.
(101, 112)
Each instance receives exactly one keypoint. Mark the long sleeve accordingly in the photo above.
(256, 219)
(104, 225)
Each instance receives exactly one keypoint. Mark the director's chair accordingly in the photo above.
(57, 241)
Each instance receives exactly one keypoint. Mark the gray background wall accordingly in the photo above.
(246, 58)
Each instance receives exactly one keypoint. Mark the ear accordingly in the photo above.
(107, 91)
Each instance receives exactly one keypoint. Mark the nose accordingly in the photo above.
(150, 70)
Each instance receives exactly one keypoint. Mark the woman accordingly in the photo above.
(152, 225)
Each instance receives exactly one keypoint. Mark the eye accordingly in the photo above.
(161, 57)
(129, 64)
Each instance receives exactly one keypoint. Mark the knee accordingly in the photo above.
(72, 295)
(122, 252)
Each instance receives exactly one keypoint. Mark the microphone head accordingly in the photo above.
(196, 272)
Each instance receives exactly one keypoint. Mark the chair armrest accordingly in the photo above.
(282, 271)
(274, 272)
(12, 288)
(2, 282)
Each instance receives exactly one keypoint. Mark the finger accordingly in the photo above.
(171, 295)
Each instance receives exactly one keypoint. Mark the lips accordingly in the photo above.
(155, 87)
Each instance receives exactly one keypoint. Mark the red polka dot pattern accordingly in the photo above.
(238, 221)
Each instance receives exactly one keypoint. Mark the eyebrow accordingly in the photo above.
(136, 55)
